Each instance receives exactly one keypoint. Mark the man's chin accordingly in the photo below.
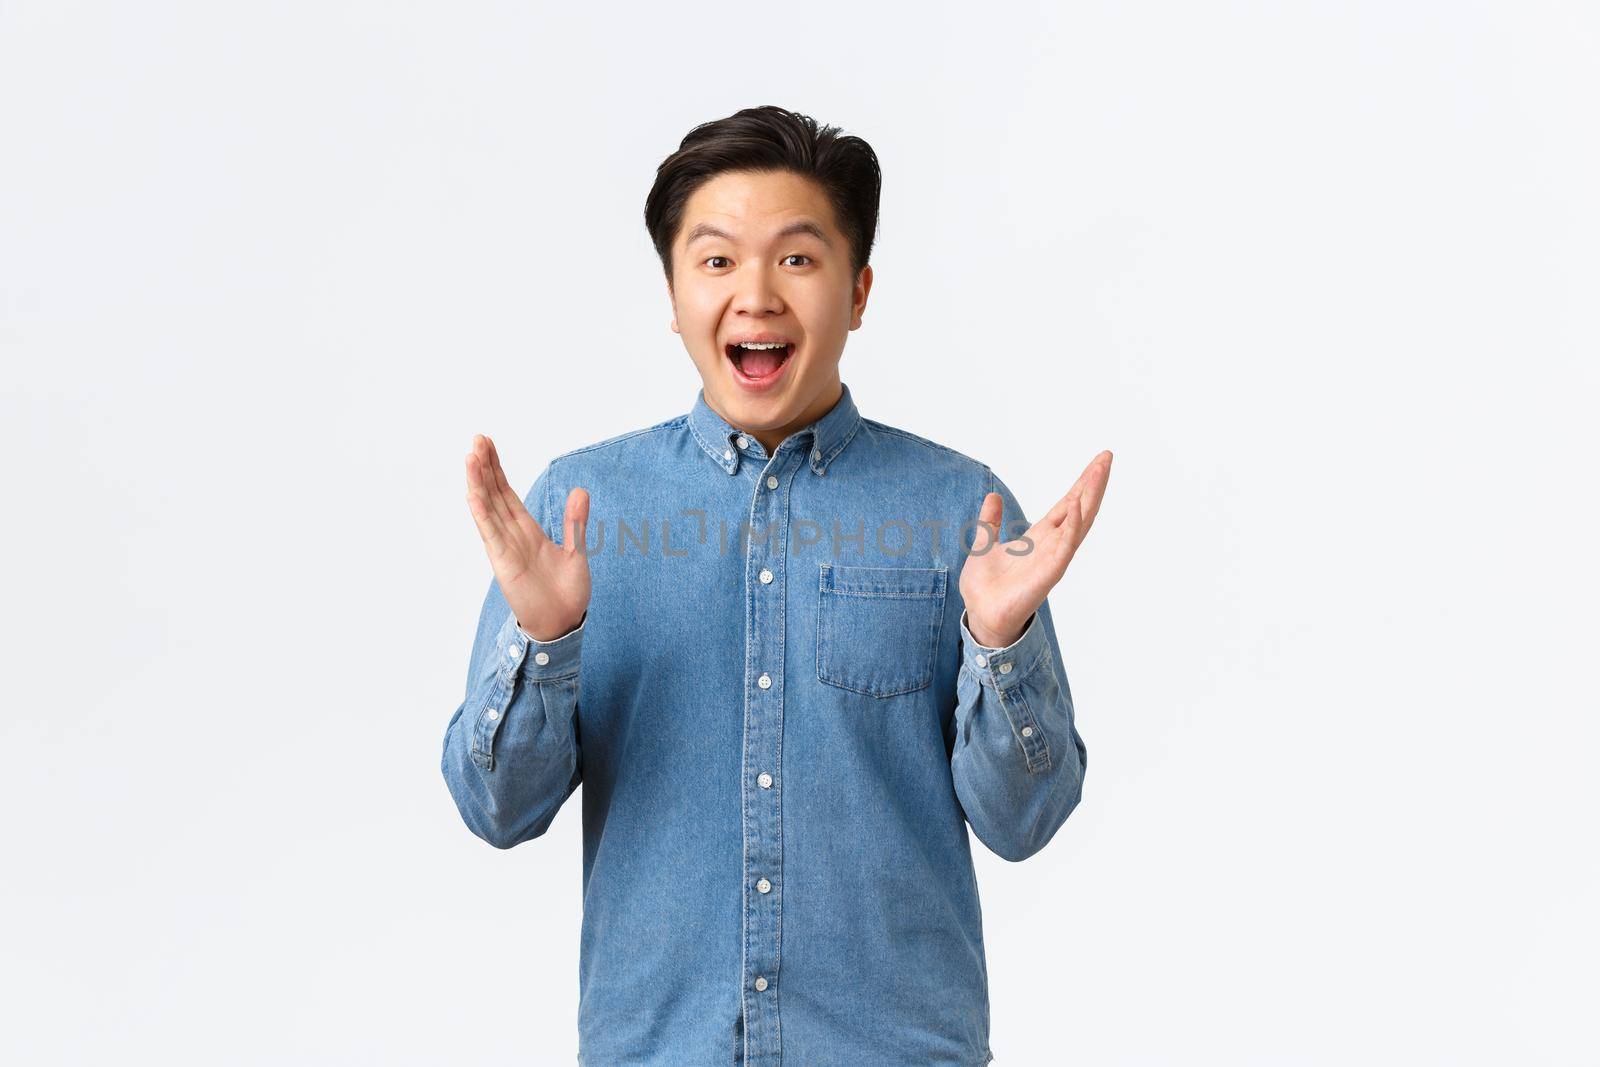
(768, 401)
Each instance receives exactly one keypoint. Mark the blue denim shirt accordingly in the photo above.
(783, 729)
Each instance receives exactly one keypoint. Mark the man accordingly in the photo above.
(797, 671)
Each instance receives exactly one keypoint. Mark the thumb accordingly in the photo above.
(575, 524)
(988, 515)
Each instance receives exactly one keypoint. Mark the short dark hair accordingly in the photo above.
(769, 139)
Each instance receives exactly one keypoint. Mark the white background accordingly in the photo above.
(1322, 276)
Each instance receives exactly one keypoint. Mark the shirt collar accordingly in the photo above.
(828, 435)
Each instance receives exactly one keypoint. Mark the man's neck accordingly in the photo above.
(771, 439)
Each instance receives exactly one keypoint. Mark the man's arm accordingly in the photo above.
(511, 751)
(1017, 759)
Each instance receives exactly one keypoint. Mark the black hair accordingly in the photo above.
(769, 139)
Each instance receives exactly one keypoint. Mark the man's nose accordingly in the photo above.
(758, 291)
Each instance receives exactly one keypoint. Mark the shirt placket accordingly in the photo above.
(765, 605)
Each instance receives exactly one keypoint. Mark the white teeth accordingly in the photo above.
(753, 344)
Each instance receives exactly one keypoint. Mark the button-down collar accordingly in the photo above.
(823, 439)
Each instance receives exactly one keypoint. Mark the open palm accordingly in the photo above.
(1003, 584)
(546, 584)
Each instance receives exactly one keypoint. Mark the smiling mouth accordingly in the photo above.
(759, 364)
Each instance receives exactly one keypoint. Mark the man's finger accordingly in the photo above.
(480, 461)
(500, 487)
(989, 514)
(1074, 499)
(483, 513)
(575, 522)
(1067, 505)
(1067, 514)
(1096, 491)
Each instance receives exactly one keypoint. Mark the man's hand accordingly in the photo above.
(546, 584)
(1001, 589)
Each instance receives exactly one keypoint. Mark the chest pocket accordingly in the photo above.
(878, 627)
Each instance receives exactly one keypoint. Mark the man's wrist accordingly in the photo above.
(555, 635)
(991, 638)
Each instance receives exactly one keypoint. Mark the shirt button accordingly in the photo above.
(494, 713)
(766, 576)
(761, 983)
(765, 779)
(764, 681)
(764, 885)
(541, 658)
(1027, 731)
(1005, 668)
(772, 482)
(981, 660)
(742, 441)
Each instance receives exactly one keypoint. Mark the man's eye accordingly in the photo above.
(710, 258)
(798, 256)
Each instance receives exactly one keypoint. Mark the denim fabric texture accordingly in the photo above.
(783, 729)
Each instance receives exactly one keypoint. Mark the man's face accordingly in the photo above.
(760, 257)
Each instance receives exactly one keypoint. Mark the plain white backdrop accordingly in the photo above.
(1323, 276)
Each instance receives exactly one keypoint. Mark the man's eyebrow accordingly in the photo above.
(806, 226)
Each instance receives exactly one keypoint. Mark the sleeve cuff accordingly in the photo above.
(539, 660)
(1005, 667)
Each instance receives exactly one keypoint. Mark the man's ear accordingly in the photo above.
(858, 299)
